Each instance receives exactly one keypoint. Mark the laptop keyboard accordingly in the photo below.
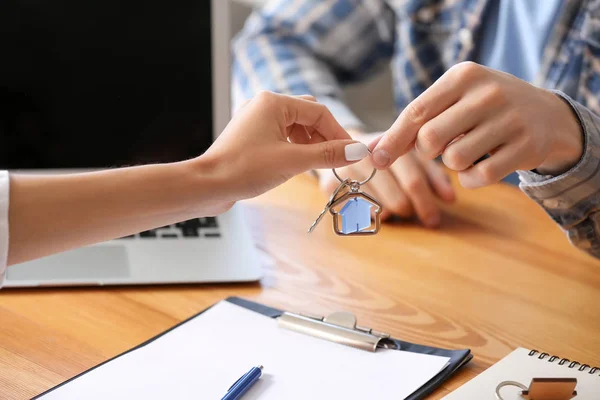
(207, 227)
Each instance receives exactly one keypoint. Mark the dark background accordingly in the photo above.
(91, 83)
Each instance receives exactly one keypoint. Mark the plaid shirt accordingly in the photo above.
(315, 46)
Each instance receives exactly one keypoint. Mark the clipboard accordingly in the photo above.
(338, 327)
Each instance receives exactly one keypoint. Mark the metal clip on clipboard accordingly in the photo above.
(339, 327)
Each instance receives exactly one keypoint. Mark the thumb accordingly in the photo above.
(329, 154)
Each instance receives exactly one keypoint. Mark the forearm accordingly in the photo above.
(49, 214)
(295, 70)
(303, 52)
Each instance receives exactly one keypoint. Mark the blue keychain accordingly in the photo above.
(352, 209)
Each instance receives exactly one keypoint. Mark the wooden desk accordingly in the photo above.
(497, 275)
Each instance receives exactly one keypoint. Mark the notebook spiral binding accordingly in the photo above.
(563, 361)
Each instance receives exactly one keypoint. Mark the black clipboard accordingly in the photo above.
(458, 358)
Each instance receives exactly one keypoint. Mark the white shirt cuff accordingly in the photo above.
(4, 187)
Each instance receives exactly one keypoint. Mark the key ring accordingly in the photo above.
(357, 213)
(508, 383)
(359, 183)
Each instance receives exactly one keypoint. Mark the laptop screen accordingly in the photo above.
(104, 83)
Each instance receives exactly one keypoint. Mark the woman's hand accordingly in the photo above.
(472, 111)
(275, 137)
(49, 214)
(412, 186)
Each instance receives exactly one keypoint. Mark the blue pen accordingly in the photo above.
(241, 386)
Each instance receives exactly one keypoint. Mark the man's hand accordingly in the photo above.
(472, 111)
(410, 187)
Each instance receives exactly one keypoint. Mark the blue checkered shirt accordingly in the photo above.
(316, 46)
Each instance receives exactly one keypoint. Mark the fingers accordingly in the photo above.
(315, 116)
(387, 190)
(317, 138)
(493, 169)
(463, 153)
(329, 154)
(415, 183)
(439, 181)
(437, 133)
(400, 138)
(302, 134)
(373, 144)
(298, 134)
(308, 97)
(445, 92)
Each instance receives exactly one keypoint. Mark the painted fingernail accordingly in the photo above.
(356, 151)
(381, 158)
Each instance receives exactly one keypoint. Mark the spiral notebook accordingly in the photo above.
(521, 366)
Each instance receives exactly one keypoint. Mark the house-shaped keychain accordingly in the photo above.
(354, 217)
(355, 208)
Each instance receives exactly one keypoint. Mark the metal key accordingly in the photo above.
(332, 199)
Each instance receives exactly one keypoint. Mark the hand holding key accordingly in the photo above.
(275, 137)
(473, 111)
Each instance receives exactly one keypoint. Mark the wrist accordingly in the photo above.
(208, 187)
(568, 142)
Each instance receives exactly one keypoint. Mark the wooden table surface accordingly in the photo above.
(497, 275)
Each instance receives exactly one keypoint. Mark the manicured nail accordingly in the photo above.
(381, 158)
(356, 151)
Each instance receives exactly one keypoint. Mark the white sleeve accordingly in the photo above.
(4, 186)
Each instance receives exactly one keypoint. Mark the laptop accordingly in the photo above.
(95, 84)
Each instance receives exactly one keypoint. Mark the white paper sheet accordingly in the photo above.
(204, 357)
